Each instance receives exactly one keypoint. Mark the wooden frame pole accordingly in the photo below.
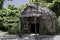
(35, 28)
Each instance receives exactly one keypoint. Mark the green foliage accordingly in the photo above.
(47, 3)
(1, 4)
(59, 24)
(56, 8)
(50, 1)
(9, 19)
(23, 31)
(21, 7)
(11, 7)
(13, 30)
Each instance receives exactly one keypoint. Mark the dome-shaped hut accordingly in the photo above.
(38, 19)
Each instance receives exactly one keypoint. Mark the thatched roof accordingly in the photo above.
(30, 15)
(34, 10)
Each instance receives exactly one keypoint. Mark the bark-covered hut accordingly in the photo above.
(38, 19)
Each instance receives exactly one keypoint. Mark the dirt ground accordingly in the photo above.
(5, 36)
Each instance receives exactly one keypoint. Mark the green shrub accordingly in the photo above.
(59, 24)
(9, 20)
(13, 30)
(23, 31)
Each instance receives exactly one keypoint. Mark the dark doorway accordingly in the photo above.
(37, 27)
(33, 28)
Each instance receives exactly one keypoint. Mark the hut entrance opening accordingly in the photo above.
(32, 25)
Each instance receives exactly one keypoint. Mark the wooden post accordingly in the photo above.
(35, 28)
